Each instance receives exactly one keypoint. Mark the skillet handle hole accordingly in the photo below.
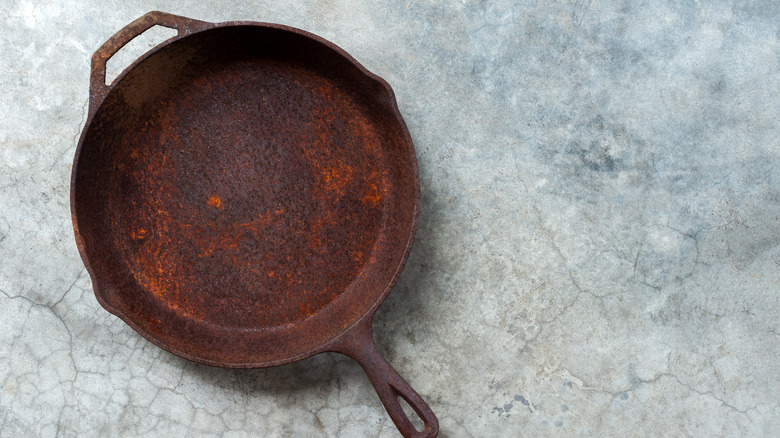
(415, 419)
(135, 48)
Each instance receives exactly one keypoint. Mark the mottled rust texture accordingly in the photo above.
(261, 208)
(245, 195)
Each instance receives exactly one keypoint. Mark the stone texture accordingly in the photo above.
(599, 242)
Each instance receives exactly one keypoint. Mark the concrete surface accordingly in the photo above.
(599, 242)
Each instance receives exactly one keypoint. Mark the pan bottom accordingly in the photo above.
(251, 196)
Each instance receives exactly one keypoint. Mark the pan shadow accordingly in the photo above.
(405, 312)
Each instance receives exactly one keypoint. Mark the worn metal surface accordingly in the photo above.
(246, 195)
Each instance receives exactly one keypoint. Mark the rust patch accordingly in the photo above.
(215, 202)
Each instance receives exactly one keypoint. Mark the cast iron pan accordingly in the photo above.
(245, 195)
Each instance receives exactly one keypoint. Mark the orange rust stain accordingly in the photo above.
(358, 256)
(138, 234)
(335, 177)
(375, 191)
(262, 219)
(215, 202)
(305, 308)
(373, 195)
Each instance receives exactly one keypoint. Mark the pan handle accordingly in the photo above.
(358, 343)
(98, 88)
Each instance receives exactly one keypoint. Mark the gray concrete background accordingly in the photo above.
(599, 242)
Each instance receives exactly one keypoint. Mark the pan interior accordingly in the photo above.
(257, 208)
(245, 185)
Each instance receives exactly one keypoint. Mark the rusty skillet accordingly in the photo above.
(245, 195)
